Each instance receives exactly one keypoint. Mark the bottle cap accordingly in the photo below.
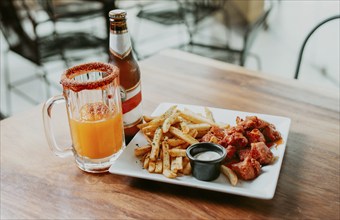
(117, 14)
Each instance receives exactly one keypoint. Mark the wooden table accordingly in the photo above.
(37, 184)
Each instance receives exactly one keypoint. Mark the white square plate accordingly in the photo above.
(263, 187)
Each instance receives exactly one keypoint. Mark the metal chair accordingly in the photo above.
(16, 16)
(191, 13)
(78, 10)
(298, 65)
(178, 13)
(248, 31)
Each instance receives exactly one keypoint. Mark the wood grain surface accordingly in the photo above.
(37, 184)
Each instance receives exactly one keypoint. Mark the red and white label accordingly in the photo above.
(132, 106)
(120, 44)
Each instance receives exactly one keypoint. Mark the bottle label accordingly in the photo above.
(132, 106)
(120, 44)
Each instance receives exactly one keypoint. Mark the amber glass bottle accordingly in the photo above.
(130, 84)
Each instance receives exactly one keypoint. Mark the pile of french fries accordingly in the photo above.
(168, 136)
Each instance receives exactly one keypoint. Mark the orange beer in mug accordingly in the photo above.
(92, 96)
(85, 133)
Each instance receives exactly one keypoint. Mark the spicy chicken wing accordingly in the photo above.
(248, 169)
(251, 122)
(236, 139)
(260, 152)
(271, 134)
(255, 136)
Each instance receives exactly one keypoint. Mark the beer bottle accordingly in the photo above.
(130, 84)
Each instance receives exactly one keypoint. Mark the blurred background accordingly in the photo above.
(41, 38)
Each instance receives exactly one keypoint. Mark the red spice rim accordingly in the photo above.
(68, 82)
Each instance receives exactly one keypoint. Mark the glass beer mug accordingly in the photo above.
(93, 103)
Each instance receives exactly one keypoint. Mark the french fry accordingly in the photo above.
(155, 144)
(148, 118)
(193, 133)
(159, 166)
(187, 169)
(166, 156)
(183, 146)
(177, 152)
(143, 158)
(186, 137)
(139, 151)
(185, 161)
(140, 126)
(196, 118)
(158, 121)
(186, 166)
(208, 114)
(174, 142)
(169, 111)
(166, 161)
(230, 174)
(152, 166)
(149, 129)
(146, 161)
(200, 127)
(184, 125)
(169, 121)
(169, 174)
(176, 164)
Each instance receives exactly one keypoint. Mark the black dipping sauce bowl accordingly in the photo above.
(202, 169)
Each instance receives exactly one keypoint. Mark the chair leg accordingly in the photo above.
(8, 84)
(2, 116)
(244, 51)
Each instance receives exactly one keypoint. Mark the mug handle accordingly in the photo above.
(47, 115)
